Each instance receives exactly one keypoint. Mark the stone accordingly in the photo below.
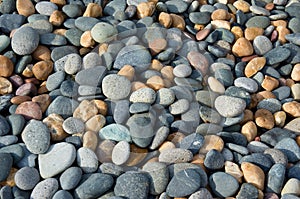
(291, 187)
(121, 153)
(242, 5)
(165, 19)
(269, 83)
(215, 85)
(6, 165)
(290, 148)
(253, 174)
(132, 184)
(70, 178)
(115, 132)
(254, 66)
(159, 177)
(45, 188)
(192, 142)
(276, 178)
(214, 160)
(103, 32)
(292, 108)
(175, 156)
(62, 106)
(95, 74)
(234, 170)
(36, 137)
(252, 32)
(85, 111)
(229, 106)
(202, 193)
(247, 84)
(199, 17)
(116, 87)
(242, 47)
(198, 61)
(249, 130)
(219, 188)
(62, 194)
(247, 191)
(87, 160)
(88, 188)
(273, 56)
(270, 104)
(143, 95)
(24, 41)
(183, 183)
(26, 178)
(7, 66)
(145, 9)
(30, 110)
(54, 122)
(295, 75)
(262, 45)
(95, 123)
(73, 125)
(93, 10)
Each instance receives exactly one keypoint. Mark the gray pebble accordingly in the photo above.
(26, 178)
(221, 189)
(24, 41)
(176, 155)
(179, 107)
(275, 179)
(111, 169)
(259, 159)
(262, 45)
(9, 22)
(73, 64)
(116, 87)
(89, 90)
(72, 10)
(214, 160)
(282, 92)
(73, 125)
(91, 60)
(176, 6)
(45, 189)
(290, 148)
(160, 136)
(69, 88)
(120, 153)
(40, 26)
(199, 17)
(277, 55)
(258, 21)
(273, 136)
(87, 160)
(91, 76)
(62, 194)
(229, 106)
(45, 8)
(59, 52)
(271, 104)
(276, 156)
(247, 190)
(63, 106)
(70, 178)
(246, 83)
(257, 147)
(5, 166)
(114, 6)
(144, 95)
(54, 80)
(53, 39)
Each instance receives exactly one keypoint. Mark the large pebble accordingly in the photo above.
(143, 95)
(70, 178)
(276, 178)
(62, 106)
(45, 189)
(115, 132)
(87, 160)
(291, 187)
(36, 137)
(221, 189)
(262, 45)
(253, 174)
(229, 106)
(6, 164)
(121, 153)
(27, 177)
(175, 156)
(103, 32)
(290, 148)
(116, 87)
(58, 158)
(24, 41)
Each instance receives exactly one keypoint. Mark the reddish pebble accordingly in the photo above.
(202, 34)
(199, 61)
(32, 80)
(274, 36)
(20, 99)
(43, 101)
(16, 80)
(26, 89)
(271, 196)
(30, 110)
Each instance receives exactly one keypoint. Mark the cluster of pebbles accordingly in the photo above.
(138, 99)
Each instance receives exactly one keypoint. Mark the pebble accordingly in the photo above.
(291, 150)
(179, 107)
(121, 153)
(105, 181)
(175, 156)
(73, 125)
(42, 69)
(291, 187)
(63, 154)
(262, 45)
(95, 74)
(54, 80)
(87, 160)
(63, 106)
(277, 55)
(254, 66)
(6, 164)
(8, 140)
(121, 85)
(216, 86)
(190, 180)
(7, 67)
(247, 190)
(143, 95)
(115, 132)
(5, 127)
(199, 17)
(295, 72)
(132, 184)
(224, 105)
(214, 160)
(24, 41)
(219, 188)
(242, 47)
(70, 178)
(36, 137)
(291, 108)
(26, 178)
(85, 111)
(247, 84)
(253, 174)
(202, 193)
(46, 8)
(72, 10)
(54, 122)
(234, 170)
(258, 21)
(62, 194)
(270, 104)
(9, 22)
(276, 178)
(103, 32)
(45, 188)
(95, 123)
(192, 142)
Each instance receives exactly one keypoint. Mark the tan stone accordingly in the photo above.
(175, 138)
(212, 142)
(254, 66)
(215, 85)
(104, 150)
(199, 27)
(165, 19)
(198, 61)
(220, 14)
(155, 82)
(59, 2)
(178, 22)
(20, 99)
(5, 86)
(54, 123)
(6, 66)
(166, 145)
(10, 180)
(237, 31)
(137, 85)
(95, 124)
(289, 82)
(292, 186)
(102, 48)
(282, 32)
(264, 118)
(234, 170)
(157, 45)
(101, 106)
(43, 101)
(264, 95)
(93, 10)
(25, 7)
(253, 174)
(248, 116)
(292, 108)
(280, 22)
(249, 130)
(57, 18)
(221, 24)
(42, 69)
(86, 39)
(60, 31)
(137, 155)
(90, 140)
(295, 75)
(252, 32)
(85, 110)
(269, 6)
(199, 160)
(296, 91)
(242, 5)
(269, 83)
(145, 9)
(280, 118)
(127, 71)
(242, 47)
(167, 73)
(202, 34)
(41, 53)
(156, 65)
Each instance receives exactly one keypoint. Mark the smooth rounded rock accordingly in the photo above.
(121, 153)
(26, 178)
(216, 182)
(87, 160)
(24, 41)
(45, 189)
(116, 87)
(70, 178)
(103, 32)
(229, 106)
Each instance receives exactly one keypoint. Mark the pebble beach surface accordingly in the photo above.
(148, 99)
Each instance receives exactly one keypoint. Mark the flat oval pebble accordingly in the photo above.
(115, 132)
(116, 87)
(6, 164)
(73, 125)
(219, 188)
(45, 189)
(246, 83)
(24, 41)
(26, 178)
(103, 32)
(70, 178)
(87, 160)
(120, 153)
(290, 148)
(46, 8)
(175, 156)
(229, 106)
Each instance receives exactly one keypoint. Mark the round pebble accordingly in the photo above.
(221, 189)
(116, 87)
(120, 153)
(26, 178)
(45, 188)
(73, 125)
(70, 178)
(24, 41)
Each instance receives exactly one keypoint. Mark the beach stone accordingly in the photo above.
(73, 125)
(249, 130)
(202, 193)
(160, 136)
(24, 41)
(53, 39)
(179, 107)
(5, 41)
(26, 178)
(7, 6)
(252, 32)
(192, 142)
(242, 47)
(234, 170)
(295, 89)
(54, 80)
(72, 10)
(7, 66)
(247, 190)
(247, 84)
(62, 106)
(36, 137)
(112, 7)
(199, 17)
(269, 83)
(292, 150)
(272, 56)
(95, 123)
(215, 85)
(42, 69)
(282, 92)
(254, 66)
(214, 160)
(221, 189)
(54, 122)
(229, 106)
(45, 188)
(95, 74)
(291, 187)
(116, 87)
(270, 104)
(188, 178)
(253, 174)
(292, 108)
(209, 115)
(175, 156)
(276, 156)
(264, 119)
(257, 147)
(9, 22)
(6, 164)
(85, 110)
(62, 194)
(262, 45)
(258, 21)
(73, 64)
(115, 132)
(5, 126)
(132, 184)
(120, 153)
(87, 160)
(293, 38)
(46, 8)
(70, 178)
(198, 61)
(143, 95)
(103, 32)
(87, 188)
(273, 136)
(295, 72)
(276, 178)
